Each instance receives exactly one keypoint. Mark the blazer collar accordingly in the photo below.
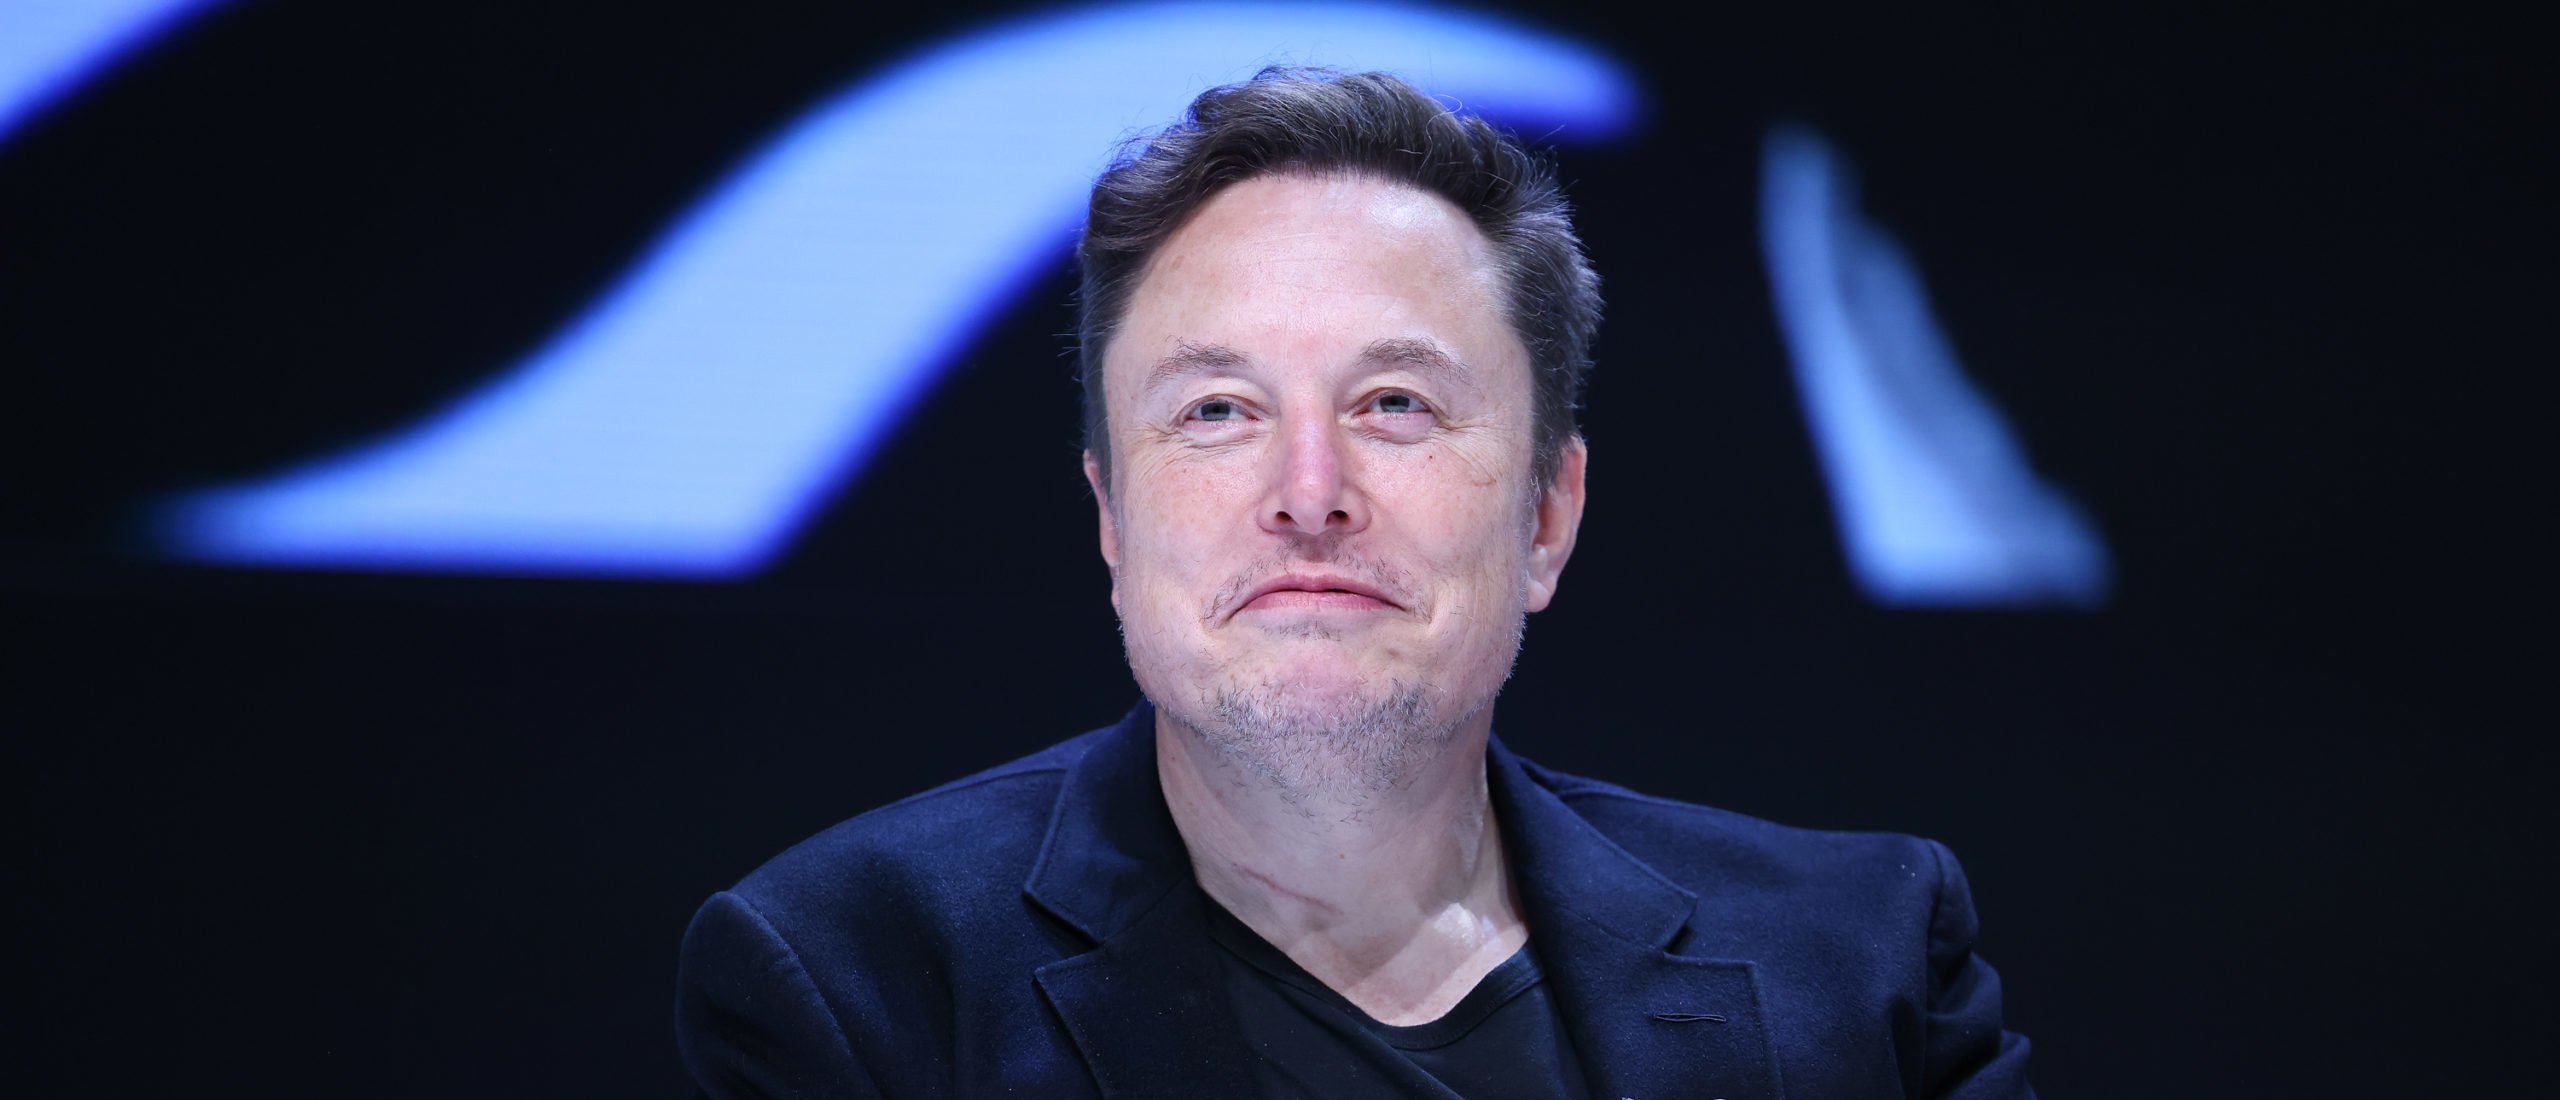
(1147, 1005)
(1646, 1021)
(1112, 852)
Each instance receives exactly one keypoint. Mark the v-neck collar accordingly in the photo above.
(1508, 979)
(1144, 1006)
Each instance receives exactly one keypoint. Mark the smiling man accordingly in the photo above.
(1332, 338)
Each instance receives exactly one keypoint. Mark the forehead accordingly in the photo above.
(1313, 268)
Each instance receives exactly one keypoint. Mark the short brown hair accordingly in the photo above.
(1290, 118)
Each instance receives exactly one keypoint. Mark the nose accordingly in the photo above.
(1312, 491)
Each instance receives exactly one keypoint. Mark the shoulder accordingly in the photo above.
(1859, 945)
(968, 842)
(850, 961)
(1738, 858)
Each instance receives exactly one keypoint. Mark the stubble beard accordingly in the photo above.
(1329, 752)
(1332, 752)
(1325, 755)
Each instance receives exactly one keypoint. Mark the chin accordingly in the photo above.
(1345, 737)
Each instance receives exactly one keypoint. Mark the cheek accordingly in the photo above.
(1172, 488)
(1469, 548)
(1170, 538)
(1171, 518)
(1458, 509)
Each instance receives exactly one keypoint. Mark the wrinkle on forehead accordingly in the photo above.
(1393, 217)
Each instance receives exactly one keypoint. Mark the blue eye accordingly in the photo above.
(1214, 410)
(1398, 403)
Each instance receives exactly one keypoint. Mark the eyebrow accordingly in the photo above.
(1424, 356)
(1190, 359)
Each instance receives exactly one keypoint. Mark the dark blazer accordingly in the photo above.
(1035, 930)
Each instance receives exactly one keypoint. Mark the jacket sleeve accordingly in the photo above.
(1968, 1054)
(749, 1021)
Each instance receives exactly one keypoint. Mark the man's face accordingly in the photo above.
(1322, 520)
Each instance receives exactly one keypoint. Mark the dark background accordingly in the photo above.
(2253, 289)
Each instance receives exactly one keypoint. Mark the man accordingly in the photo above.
(1332, 337)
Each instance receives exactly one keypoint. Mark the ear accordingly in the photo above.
(1559, 518)
(1110, 533)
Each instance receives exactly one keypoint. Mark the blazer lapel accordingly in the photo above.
(1646, 1023)
(1147, 1006)
(1148, 1009)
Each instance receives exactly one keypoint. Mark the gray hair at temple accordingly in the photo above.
(1296, 119)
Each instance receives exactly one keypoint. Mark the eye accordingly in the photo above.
(1216, 409)
(1393, 403)
(1398, 417)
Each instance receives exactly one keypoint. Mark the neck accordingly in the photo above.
(1396, 897)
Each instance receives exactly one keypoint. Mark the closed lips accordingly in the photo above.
(1318, 585)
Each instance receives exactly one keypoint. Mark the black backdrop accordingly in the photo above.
(2250, 288)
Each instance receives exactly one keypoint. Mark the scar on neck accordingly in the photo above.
(1273, 885)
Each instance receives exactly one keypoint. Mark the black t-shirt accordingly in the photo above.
(1504, 1040)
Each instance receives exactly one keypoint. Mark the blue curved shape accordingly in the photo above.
(48, 47)
(690, 421)
(1937, 504)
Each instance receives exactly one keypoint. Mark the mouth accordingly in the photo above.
(1315, 592)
